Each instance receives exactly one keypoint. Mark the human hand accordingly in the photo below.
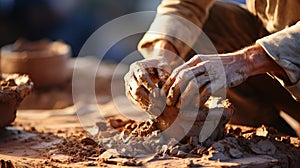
(146, 77)
(191, 84)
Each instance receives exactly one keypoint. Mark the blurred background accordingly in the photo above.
(71, 21)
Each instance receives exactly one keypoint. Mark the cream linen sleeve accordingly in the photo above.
(284, 48)
(179, 22)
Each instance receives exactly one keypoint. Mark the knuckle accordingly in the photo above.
(138, 64)
(127, 77)
(176, 70)
(196, 58)
(133, 66)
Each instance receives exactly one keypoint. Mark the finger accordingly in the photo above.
(163, 75)
(134, 101)
(156, 100)
(141, 96)
(127, 79)
(184, 78)
(142, 76)
(204, 94)
(144, 103)
(169, 82)
(178, 86)
(165, 67)
(206, 57)
(152, 108)
(137, 92)
(188, 94)
(193, 91)
(192, 62)
(197, 98)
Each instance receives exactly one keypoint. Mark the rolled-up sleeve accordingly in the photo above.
(179, 22)
(284, 48)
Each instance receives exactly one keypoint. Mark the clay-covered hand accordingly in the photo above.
(147, 76)
(143, 80)
(191, 84)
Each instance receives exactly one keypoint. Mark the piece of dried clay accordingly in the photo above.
(263, 147)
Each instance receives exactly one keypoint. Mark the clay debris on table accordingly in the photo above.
(75, 149)
(154, 136)
(240, 146)
(261, 141)
(135, 144)
(138, 139)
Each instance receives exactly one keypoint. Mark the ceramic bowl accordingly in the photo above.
(44, 61)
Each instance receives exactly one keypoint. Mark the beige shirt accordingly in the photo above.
(181, 21)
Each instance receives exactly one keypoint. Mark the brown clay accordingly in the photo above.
(78, 149)
(170, 114)
(13, 89)
(236, 143)
(140, 129)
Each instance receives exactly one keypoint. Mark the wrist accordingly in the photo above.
(164, 48)
(260, 62)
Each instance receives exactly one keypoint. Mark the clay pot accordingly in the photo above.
(45, 62)
(13, 89)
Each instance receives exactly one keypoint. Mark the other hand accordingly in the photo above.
(203, 75)
(193, 82)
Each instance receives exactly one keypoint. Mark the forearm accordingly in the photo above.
(260, 62)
